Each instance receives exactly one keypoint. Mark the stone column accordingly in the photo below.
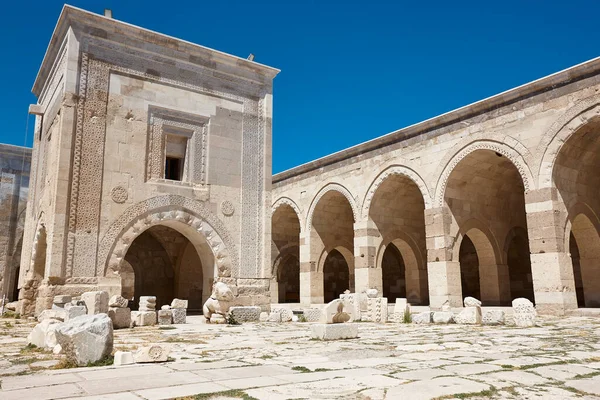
(551, 266)
(368, 275)
(311, 280)
(443, 271)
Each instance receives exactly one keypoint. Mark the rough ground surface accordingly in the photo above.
(558, 359)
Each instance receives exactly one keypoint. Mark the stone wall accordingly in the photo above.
(15, 163)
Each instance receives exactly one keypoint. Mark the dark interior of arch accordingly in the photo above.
(394, 274)
(336, 276)
(166, 265)
(289, 280)
(575, 259)
(519, 268)
(469, 269)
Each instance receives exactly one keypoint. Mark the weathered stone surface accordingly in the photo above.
(86, 339)
(165, 317)
(422, 318)
(12, 306)
(123, 358)
(147, 303)
(443, 317)
(472, 302)
(143, 318)
(446, 306)
(118, 301)
(469, 315)
(74, 311)
(492, 317)
(154, 353)
(286, 314)
(215, 318)
(332, 309)
(61, 300)
(334, 331)
(264, 316)
(95, 302)
(179, 303)
(179, 315)
(165, 307)
(219, 301)
(120, 317)
(274, 317)
(58, 314)
(312, 314)
(245, 314)
(352, 300)
(524, 312)
(37, 336)
(372, 293)
(377, 310)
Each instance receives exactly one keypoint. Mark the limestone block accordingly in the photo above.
(446, 306)
(286, 314)
(372, 293)
(120, 317)
(179, 315)
(12, 306)
(443, 317)
(85, 339)
(245, 314)
(422, 318)
(178, 303)
(118, 301)
(165, 317)
(264, 317)
(354, 300)
(95, 302)
(524, 312)
(334, 331)
(37, 336)
(59, 314)
(57, 349)
(274, 317)
(166, 307)
(60, 301)
(147, 303)
(295, 318)
(312, 314)
(493, 317)
(469, 315)
(123, 358)
(74, 311)
(472, 302)
(51, 340)
(143, 318)
(377, 309)
(154, 353)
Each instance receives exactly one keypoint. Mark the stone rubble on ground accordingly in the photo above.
(524, 312)
(60, 301)
(377, 309)
(179, 303)
(86, 339)
(352, 300)
(286, 314)
(492, 317)
(443, 317)
(471, 302)
(118, 301)
(422, 318)
(143, 318)
(179, 315)
(38, 334)
(123, 358)
(312, 314)
(57, 314)
(245, 313)
(264, 316)
(147, 303)
(95, 302)
(469, 315)
(74, 311)
(153, 353)
(120, 317)
(165, 317)
(334, 331)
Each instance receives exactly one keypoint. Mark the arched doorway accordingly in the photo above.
(336, 276)
(397, 211)
(166, 264)
(469, 269)
(393, 274)
(331, 247)
(519, 265)
(289, 279)
(575, 174)
(485, 195)
(285, 253)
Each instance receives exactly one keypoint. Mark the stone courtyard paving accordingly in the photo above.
(558, 359)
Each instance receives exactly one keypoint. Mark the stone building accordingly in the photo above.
(497, 200)
(152, 168)
(152, 176)
(15, 163)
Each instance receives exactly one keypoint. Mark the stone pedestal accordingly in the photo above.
(120, 317)
(143, 318)
(334, 331)
(179, 315)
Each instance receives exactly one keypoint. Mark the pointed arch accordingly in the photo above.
(322, 192)
(284, 200)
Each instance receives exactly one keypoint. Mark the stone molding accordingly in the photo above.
(395, 170)
(289, 202)
(452, 160)
(327, 188)
(560, 131)
(158, 211)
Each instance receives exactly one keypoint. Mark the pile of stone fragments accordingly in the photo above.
(82, 329)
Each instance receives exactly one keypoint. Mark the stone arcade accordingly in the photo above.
(151, 176)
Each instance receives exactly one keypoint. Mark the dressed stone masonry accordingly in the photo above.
(377, 310)
(246, 314)
(524, 312)
(117, 105)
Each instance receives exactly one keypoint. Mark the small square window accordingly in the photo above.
(173, 168)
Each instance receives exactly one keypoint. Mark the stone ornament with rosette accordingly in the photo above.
(119, 194)
(227, 208)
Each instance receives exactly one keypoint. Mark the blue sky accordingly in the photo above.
(351, 70)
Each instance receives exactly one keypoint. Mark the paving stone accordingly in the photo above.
(437, 387)
(590, 385)
(346, 330)
(470, 369)
(43, 392)
(562, 372)
(422, 374)
(521, 377)
(133, 383)
(180, 391)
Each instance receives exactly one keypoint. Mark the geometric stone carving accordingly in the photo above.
(524, 312)
(119, 194)
(227, 208)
